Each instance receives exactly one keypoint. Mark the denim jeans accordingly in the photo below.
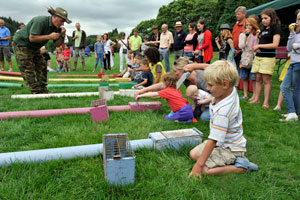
(164, 54)
(290, 88)
(99, 56)
(189, 55)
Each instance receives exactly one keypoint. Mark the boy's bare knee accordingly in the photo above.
(194, 154)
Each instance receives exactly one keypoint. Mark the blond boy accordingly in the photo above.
(224, 150)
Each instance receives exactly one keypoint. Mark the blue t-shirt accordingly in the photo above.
(99, 47)
(4, 32)
(147, 76)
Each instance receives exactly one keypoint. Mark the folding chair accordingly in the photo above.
(282, 57)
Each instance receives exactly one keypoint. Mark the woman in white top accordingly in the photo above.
(123, 45)
(107, 48)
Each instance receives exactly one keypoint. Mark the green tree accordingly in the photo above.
(145, 27)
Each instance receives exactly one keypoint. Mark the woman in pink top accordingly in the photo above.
(190, 42)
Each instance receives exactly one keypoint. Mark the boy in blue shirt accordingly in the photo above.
(4, 46)
(147, 77)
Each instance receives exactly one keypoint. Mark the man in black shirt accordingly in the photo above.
(179, 38)
(154, 38)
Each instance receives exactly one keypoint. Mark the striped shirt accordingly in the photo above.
(226, 123)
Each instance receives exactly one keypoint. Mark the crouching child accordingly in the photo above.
(201, 101)
(181, 109)
(224, 151)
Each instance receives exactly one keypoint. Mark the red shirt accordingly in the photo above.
(67, 54)
(236, 31)
(206, 46)
(174, 98)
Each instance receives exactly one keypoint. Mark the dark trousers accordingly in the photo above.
(107, 60)
(237, 59)
(197, 111)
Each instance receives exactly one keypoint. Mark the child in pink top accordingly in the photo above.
(67, 58)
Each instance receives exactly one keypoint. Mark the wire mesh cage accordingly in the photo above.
(118, 159)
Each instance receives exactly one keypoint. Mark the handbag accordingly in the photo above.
(125, 50)
(248, 57)
(230, 57)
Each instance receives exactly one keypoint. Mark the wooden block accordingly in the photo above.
(101, 90)
(108, 95)
(99, 102)
(143, 106)
(99, 113)
(128, 93)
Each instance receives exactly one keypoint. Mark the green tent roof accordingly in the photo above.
(276, 5)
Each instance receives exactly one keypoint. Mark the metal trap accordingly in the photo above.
(176, 138)
(118, 159)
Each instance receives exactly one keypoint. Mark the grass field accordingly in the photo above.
(272, 145)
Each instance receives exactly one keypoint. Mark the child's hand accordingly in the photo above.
(188, 68)
(196, 171)
(104, 56)
(217, 39)
(294, 47)
(255, 48)
(257, 32)
(135, 86)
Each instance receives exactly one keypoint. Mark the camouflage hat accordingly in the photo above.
(60, 12)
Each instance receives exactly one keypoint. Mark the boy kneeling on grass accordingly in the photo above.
(224, 150)
(181, 109)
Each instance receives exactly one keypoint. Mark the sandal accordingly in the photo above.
(265, 106)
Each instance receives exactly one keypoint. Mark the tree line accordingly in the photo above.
(214, 12)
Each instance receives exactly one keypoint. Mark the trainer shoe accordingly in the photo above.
(290, 117)
(2, 69)
(284, 115)
(246, 164)
(10, 70)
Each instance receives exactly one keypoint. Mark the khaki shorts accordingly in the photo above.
(80, 53)
(5, 52)
(220, 157)
(263, 65)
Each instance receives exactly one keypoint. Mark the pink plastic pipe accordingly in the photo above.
(118, 108)
(44, 113)
(133, 106)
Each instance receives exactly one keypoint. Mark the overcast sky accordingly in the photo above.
(95, 16)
